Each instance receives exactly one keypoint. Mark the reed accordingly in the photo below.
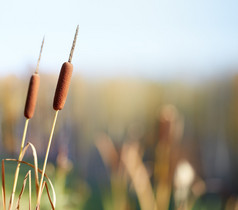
(58, 104)
(30, 104)
(28, 113)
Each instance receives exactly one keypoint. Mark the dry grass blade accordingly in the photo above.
(35, 166)
(53, 192)
(3, 186)
(53, 203)
(22, 189)
(48, 193)
(35, 162)
(18, 166)
(40, 171)
(29, 190)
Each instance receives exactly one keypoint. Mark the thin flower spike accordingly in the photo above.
(73, 45)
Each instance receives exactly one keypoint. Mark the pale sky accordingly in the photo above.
(145, 38)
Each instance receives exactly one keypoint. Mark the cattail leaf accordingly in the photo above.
(39, 171)
(22, 189)
(35, 162)
(29, 189)
(3, 187)
(48, 193)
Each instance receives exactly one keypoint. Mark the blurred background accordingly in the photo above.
(151, 119)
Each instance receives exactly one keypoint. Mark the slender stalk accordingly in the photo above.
(45, 162)
(3, 187)
(29, 190)
(18, 165)
(23, 137)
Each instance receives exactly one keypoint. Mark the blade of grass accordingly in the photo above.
(35, 162)
(29, 190)
(3, 186)
(36, 167)
(40, 171)
(48, 193)
(22, 190)
(18, 165)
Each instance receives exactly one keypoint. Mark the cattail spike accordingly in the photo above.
(32, 96)
(73, 45)
(38, 62)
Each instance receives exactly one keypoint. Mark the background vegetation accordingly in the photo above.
(103, 119)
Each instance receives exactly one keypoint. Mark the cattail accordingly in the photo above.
(58, 104)
(32, 96)
(33, 89)
(64, 79)
(28, 113)
(62, 86)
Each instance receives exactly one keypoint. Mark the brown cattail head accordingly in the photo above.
(32, 96)
(62, 86)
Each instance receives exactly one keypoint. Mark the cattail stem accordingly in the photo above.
(45, 162)
(18, 165)
(23, 137)
(29, 112)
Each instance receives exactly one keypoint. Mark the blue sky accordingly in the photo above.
(145, 38)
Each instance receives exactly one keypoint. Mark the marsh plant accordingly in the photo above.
(58, 104)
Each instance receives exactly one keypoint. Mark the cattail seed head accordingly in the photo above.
(32, 96)
(62, 86)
